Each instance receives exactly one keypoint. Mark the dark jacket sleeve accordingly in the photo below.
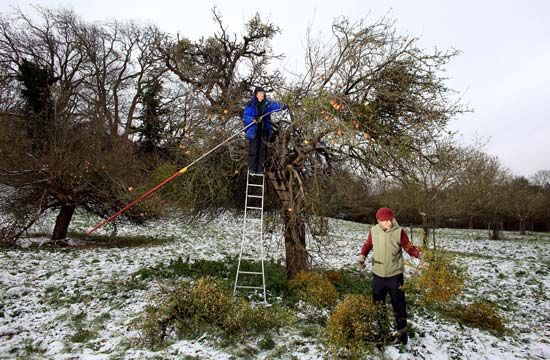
(408, 246)
(367, 247)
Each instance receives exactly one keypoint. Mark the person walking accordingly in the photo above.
(387, 240)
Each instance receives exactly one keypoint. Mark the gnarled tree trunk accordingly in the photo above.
(62, 222)
(297, 258)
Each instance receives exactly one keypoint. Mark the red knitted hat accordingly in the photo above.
(384, 214)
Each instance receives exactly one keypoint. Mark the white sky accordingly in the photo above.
(503, 73)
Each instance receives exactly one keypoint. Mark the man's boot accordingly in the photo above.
(404, 338)
(401, 334)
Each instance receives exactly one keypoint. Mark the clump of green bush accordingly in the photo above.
(243, 318)
(483, 315)
(355, 325)
(314, 288)
(206, 305)
(439, 279)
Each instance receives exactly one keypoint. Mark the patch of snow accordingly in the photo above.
(47, 293)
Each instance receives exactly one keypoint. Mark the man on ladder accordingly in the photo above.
(258, 111)
(259, 129)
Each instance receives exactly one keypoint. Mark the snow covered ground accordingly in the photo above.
(83, 303)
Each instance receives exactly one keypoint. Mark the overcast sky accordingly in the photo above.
(503, 73)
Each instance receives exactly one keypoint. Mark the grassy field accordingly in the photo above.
(86, 302)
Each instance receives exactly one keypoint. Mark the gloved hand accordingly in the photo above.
(257, 120)
(361, 262)
(415, 261)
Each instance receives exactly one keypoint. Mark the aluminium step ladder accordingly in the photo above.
(252, 243)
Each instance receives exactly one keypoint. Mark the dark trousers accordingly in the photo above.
(381, 286)
(257, 153)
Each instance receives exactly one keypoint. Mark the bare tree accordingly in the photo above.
(224, 68)
(121, 59)
(523, 200)
(370, 100)
(61, 146)
(542, 179)
(425, 184)
(477, 195)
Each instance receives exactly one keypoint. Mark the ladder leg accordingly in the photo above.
(262, 240)
(243, 239)
(246, 231)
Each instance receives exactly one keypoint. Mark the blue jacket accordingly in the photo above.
(250, 113)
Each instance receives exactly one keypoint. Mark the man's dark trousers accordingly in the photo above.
(381, 286)
(257, 153)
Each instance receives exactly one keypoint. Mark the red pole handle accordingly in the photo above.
(167, 180)
(145, 195)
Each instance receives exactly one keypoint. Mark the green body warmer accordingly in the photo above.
(387, 254)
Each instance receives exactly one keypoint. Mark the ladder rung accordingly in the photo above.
(255, 196)
(249, 287)
(255, 174)
(252, 245)
(255, 219)
(257, 185)
(252, 257)
(251, 272)
(253, 233)
(263, 303)
(254, 208)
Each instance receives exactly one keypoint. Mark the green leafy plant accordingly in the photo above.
(483, 315)
(314, 288)
(439, 279)
(206, 305)
(355, 325)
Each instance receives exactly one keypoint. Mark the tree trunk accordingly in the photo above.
(471, 223)
(425, 236)
(522, 226)
(494, 233)
(62, 222)
(297, 258)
